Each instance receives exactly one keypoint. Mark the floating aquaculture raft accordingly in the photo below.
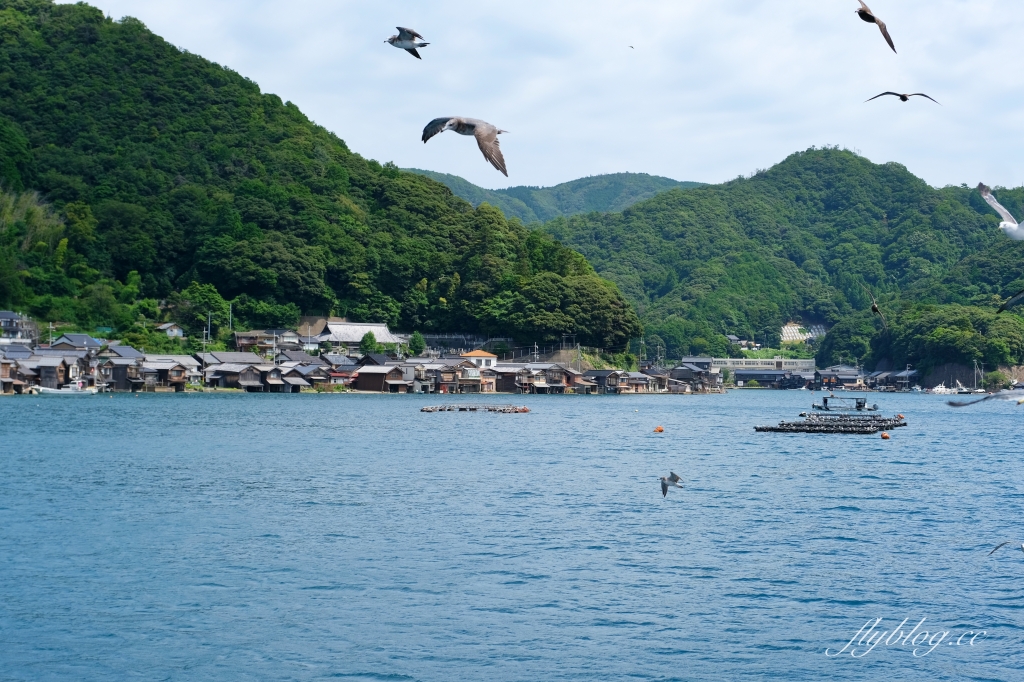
(501, 409)
(838, 423)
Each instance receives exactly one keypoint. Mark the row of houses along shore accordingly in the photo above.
(281, 364)
(77, 359)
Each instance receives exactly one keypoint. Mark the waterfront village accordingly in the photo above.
(326, 358)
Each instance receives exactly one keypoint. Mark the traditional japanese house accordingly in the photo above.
(165, 374)
(7, 380)
(193, 371)
(378, 379)
(273, 379)
(578, 383)
(512, 378)
(235, 375)
(52, 371)
(121, 374)
(77, 342)
(659, 379)
(637, 382)
(608, 380)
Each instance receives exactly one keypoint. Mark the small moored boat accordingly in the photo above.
(77, 388)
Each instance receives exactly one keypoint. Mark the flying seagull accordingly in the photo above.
(672, 479)
(1009, 225)
(1012, 301)
(867, 15)
(406, 40)
(486, 136)
(1002, 395)
(875, 309)
(1000, 546)
(903, 97)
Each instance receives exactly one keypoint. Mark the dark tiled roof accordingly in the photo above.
(125, 351)
(78, 340)
(301, 356)
(15, 351)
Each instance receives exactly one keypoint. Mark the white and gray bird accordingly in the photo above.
(672, 480)
(1001, 395)
(407, 40)
(1010, 226)
(486, 136)
(1004, 544)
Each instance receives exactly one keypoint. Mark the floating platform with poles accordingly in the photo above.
(837, 423)
(500, 409)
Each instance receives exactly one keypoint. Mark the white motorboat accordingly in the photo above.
(77, 388)
(942, 390)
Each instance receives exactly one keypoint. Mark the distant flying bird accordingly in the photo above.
(1008, 542)
(1013, 300)
(875, 309)
(672, 479)
(903, 97)
(1002, 395)
(1009, 225)
(867, 15)
(406, 40)
(486, 136)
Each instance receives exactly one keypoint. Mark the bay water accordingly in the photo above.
(313, 537)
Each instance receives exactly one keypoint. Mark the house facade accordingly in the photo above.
(16, 328)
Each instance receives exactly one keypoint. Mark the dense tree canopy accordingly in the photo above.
(167, 170)
(800, 242)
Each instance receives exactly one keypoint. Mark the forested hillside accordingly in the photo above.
(164, 177)
(601, 193)
(800, 242)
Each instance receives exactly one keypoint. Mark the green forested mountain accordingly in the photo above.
(601, 193)
(162, 176)
(799, 242)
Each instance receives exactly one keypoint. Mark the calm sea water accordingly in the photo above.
(249, 537)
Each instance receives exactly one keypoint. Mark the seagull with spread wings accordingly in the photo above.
(672, 480)
(1004, 544)
(406, 40)
(875, 309)
(1010, 226)
(867, 15)
(486, 136)
(904, 97)
(1001, 395)
(1012, 301)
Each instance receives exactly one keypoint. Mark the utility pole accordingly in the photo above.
(230, 317)
(536, 352)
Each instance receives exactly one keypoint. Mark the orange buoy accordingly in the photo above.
(900, 416)
(659, 429)
(885, 436)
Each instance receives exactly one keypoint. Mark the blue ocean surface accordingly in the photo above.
(315, 537)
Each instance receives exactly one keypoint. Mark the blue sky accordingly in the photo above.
(713, 89)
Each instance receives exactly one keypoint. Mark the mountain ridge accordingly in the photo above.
(803, 240)
(168, 177)
(600, 193)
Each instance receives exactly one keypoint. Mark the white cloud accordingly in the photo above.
(712, 90)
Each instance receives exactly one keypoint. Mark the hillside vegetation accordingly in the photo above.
(162, 176)
(601, 193)
(800, 242)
